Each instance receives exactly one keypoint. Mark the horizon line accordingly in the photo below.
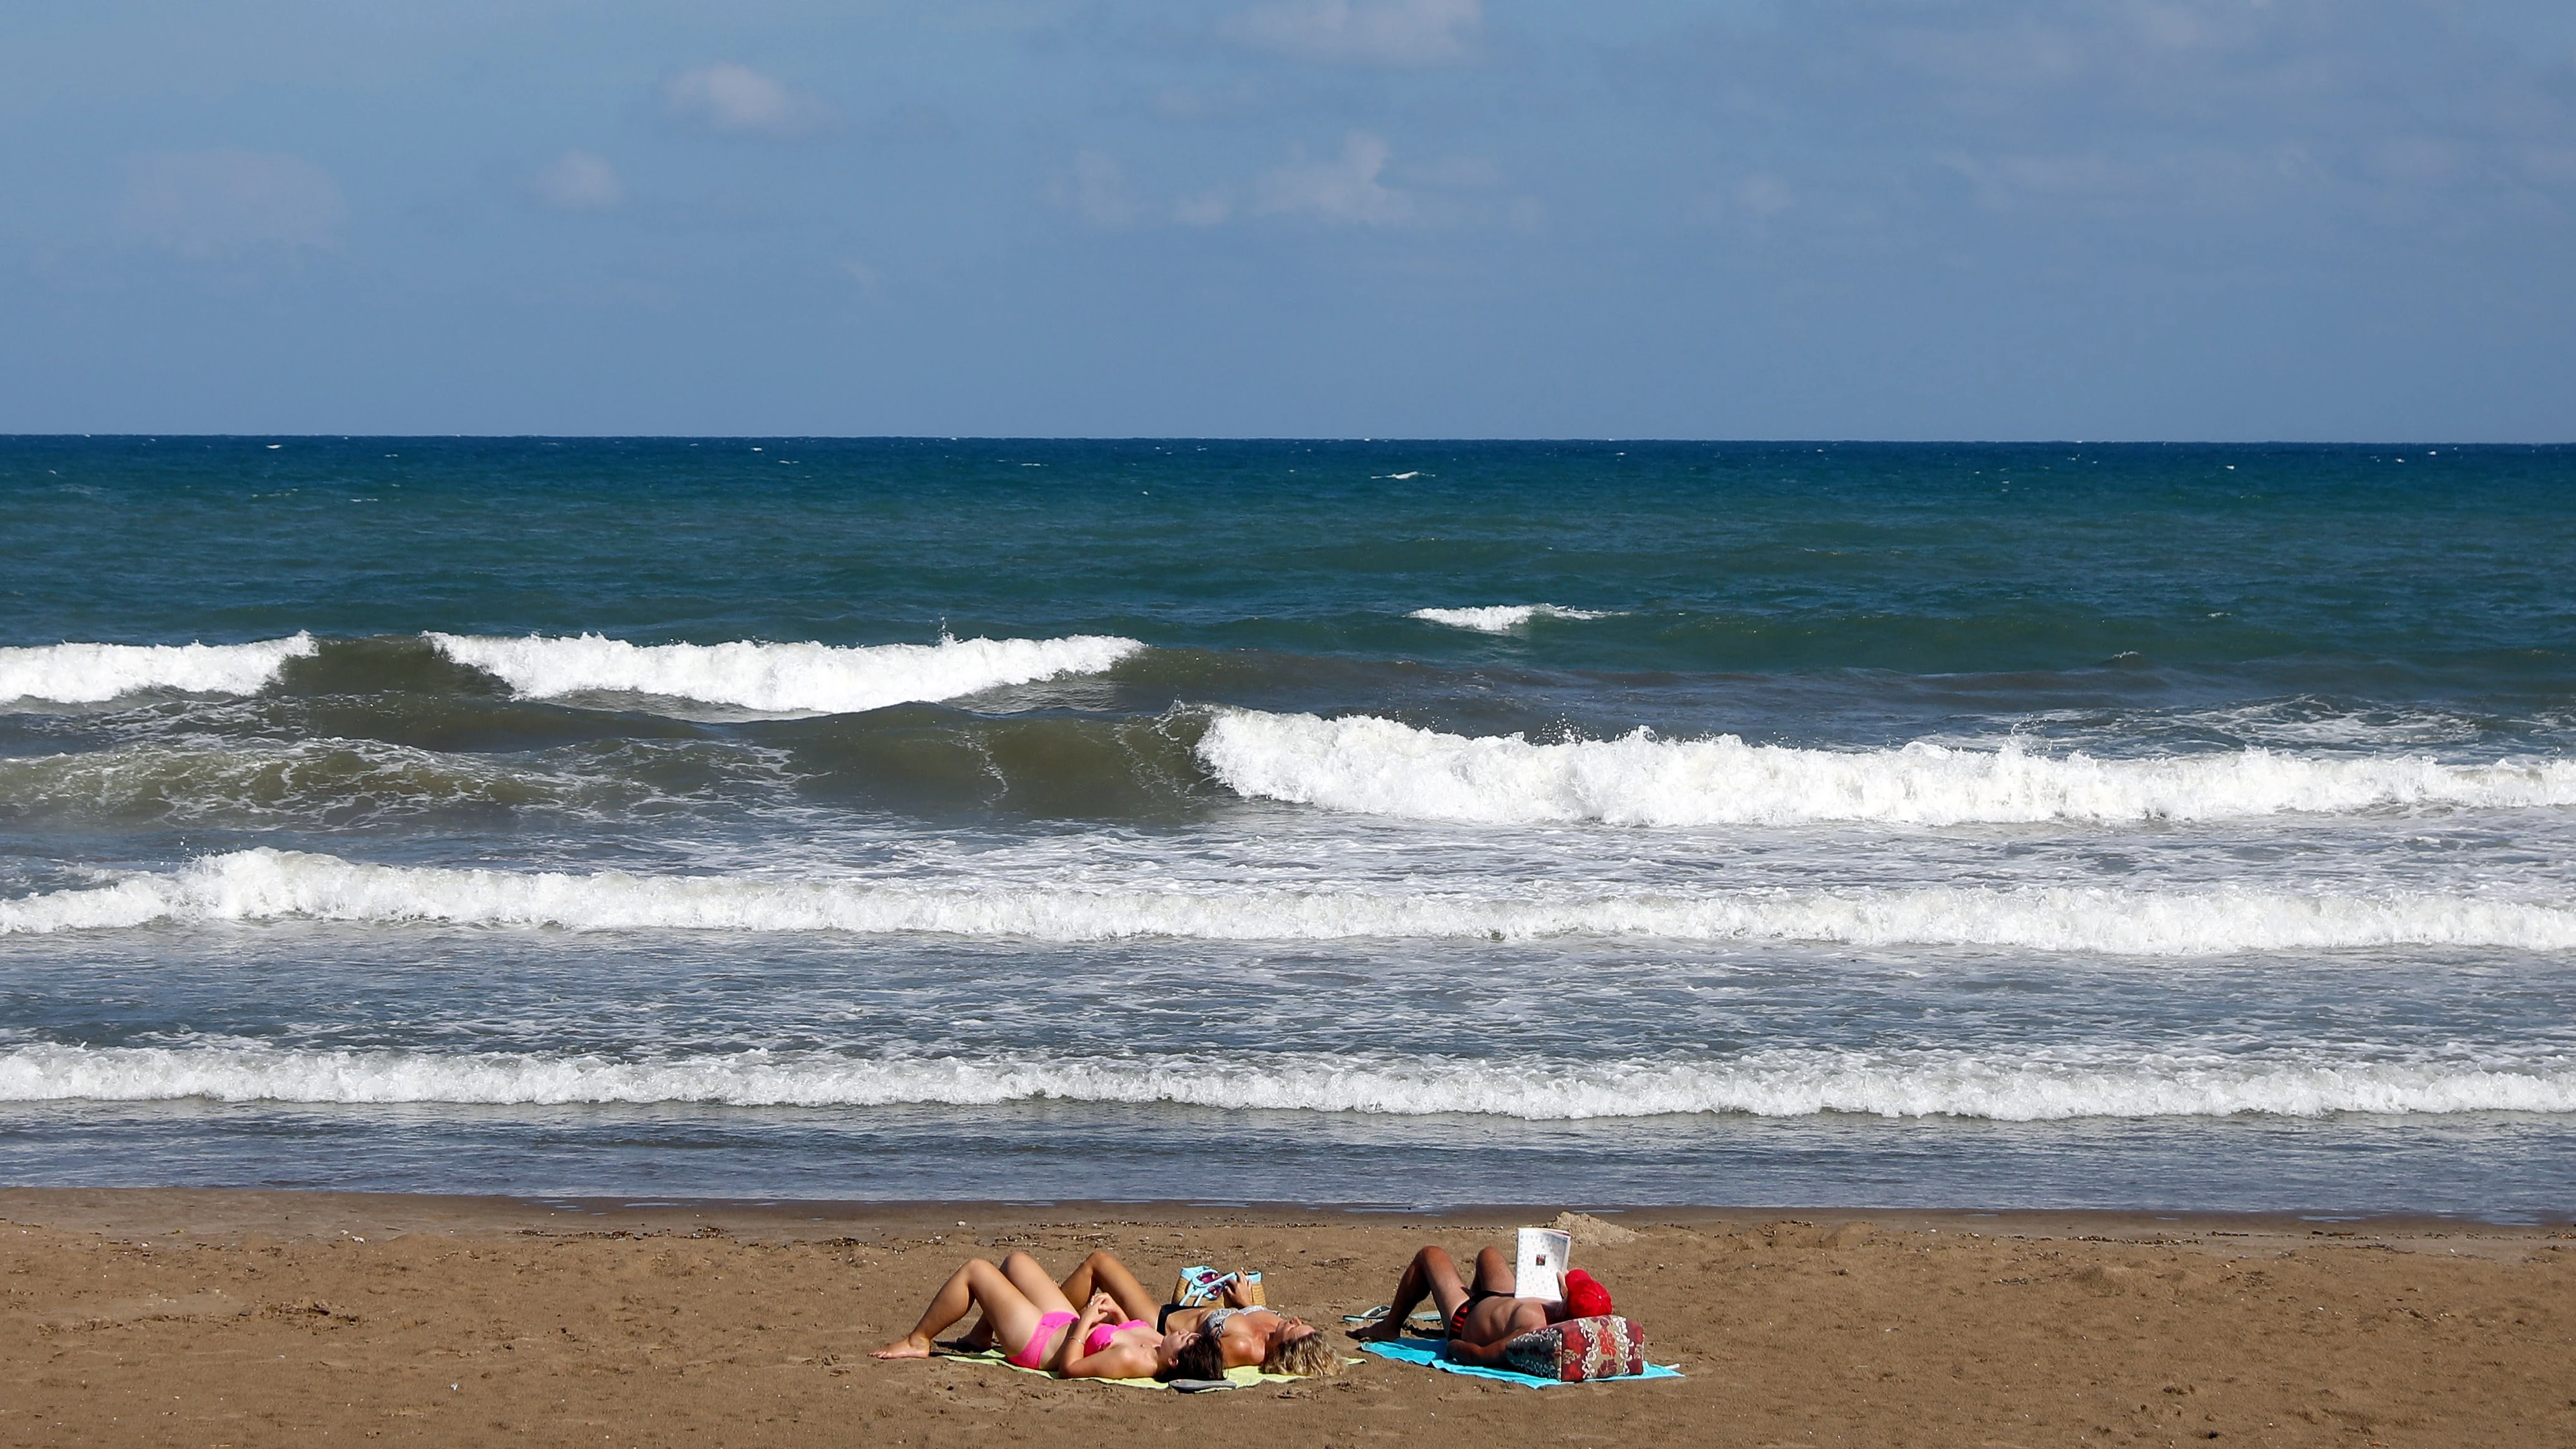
(1278, 438)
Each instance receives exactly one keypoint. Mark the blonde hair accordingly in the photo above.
(1308, 1358)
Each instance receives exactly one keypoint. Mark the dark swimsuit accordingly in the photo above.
(1458, 1317)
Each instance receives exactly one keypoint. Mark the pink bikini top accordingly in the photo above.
(1101, 1336)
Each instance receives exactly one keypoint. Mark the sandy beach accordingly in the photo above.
(244, 1318)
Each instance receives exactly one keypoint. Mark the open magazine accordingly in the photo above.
(1545, 1254)
(1202, 1287)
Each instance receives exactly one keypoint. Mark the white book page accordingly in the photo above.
(1544, 1255)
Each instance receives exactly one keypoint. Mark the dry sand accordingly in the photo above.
(235, 1318)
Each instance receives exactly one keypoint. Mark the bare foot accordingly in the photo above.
(905, 1348)
(1385, 1330)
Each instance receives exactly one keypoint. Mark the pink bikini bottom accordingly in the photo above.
(1033, 1354)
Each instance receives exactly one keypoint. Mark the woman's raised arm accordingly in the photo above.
(1116, 1361)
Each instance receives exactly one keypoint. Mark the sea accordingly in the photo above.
(1377, 824)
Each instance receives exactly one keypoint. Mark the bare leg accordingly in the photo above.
(1103, 1273)
(1430, 1273)
(1099, 1273)
(1495, 1273)
(977, 1285)
(1034, 1283)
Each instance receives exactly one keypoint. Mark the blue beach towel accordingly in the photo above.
(1426, 1352)
(1235, 1378)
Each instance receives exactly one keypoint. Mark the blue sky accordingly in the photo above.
(2222, 219)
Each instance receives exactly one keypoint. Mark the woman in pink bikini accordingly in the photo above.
(1112, 1336)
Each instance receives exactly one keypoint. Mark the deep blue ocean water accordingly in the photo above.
(1338, 822)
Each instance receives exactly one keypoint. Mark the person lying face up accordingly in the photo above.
(1032, 1318)
(1481, 1316)
(1202, 1343)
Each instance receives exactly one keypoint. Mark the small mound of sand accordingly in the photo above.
(1591, 1231)
(2112, 1278)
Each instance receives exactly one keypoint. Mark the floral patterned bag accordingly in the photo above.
(1579, 1349)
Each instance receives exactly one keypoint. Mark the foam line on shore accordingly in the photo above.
(77, 673)
(781, 678)
(266, 885)
(1996, 1086)
(1368, 765)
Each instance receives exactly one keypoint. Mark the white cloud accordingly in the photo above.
(205, 203)
(735, 100)
(578, 181)
(1208, 208)
(1365, 32)
(2128, 108)
(1099, 190)
(1345, 189)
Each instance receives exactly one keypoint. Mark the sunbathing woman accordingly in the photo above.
(1204, 1342)
(1032, 1316)
(1481, 1319)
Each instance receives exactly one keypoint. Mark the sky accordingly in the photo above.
(1924, 219)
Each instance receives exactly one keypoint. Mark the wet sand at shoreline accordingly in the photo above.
(212, 1317)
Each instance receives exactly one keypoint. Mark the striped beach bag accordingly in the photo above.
(1578, 1349)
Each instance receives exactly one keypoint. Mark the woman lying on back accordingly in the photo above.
(1033, 1318)
(1204, 1342)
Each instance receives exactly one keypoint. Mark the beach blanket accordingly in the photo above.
(1235, 1378)
(1426, 1352)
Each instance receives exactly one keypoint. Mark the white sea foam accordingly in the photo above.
(1378, 766)
(89, 673)
(270, 885)
(2004, 1086)
(782, 678)
(1502, 618)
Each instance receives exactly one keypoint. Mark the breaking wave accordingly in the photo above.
(1502, 618)
(782, 678)
(1994, 1085)
(1376, 766)
(91, 673)
(268, 885)
(345, 782)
